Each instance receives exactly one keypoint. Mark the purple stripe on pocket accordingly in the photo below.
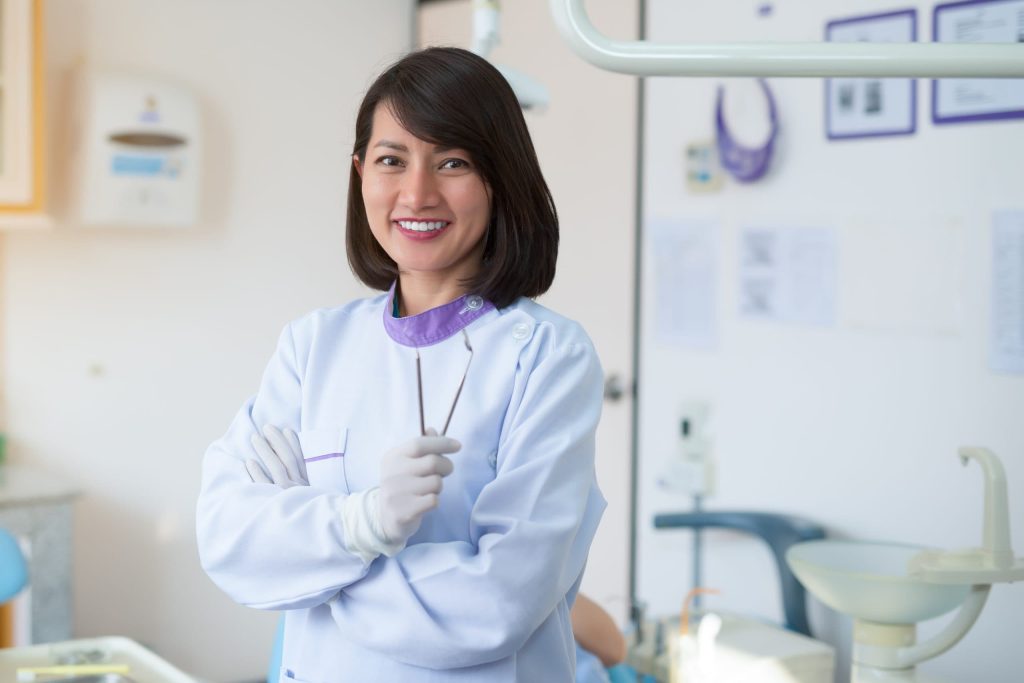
(324, 457)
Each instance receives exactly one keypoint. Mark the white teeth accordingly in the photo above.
(423, 226)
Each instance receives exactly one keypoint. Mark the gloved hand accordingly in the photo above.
(410, 483)
(281, 455)
(380, 520)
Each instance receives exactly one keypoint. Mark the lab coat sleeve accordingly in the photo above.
(264, 546)
(457, 604)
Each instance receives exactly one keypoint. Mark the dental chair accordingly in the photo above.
(778, 531)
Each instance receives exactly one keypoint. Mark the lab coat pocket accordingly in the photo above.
(323, 451)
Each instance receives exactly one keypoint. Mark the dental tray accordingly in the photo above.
(146, 667)
(92, 678)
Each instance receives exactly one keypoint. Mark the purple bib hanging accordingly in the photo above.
(746, 164)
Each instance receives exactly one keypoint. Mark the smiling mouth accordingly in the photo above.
(422, 226)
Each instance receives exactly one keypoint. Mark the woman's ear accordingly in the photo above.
(357, 164)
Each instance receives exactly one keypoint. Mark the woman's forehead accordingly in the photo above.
(388, 131)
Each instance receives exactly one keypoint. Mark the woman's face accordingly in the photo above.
(427, 205)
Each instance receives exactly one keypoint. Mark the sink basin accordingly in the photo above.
(870, 581)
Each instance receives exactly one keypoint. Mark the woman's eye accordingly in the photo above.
(389, 161)
(455, 163)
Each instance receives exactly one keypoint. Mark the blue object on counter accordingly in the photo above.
(13, 572)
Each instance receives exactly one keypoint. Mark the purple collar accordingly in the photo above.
(435, 325)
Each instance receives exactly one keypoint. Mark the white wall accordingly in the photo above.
(127, 352)
(856, 425)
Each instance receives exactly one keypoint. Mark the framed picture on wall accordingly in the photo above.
(960, 100)
(871, 107)
(21, 83)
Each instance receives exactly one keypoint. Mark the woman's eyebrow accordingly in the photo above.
(399, 147)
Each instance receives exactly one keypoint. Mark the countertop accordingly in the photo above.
(25, 485)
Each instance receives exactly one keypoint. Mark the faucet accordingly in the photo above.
(996, 551)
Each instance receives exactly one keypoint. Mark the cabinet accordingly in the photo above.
(21, 112)
(36, 508)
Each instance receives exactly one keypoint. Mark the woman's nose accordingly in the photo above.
(419, 188)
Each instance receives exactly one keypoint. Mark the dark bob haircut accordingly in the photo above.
(452, 97)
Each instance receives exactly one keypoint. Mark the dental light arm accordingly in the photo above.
(926, 60)
(531, 93)
(486, 26)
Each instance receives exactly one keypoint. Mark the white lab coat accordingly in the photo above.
(482, 591)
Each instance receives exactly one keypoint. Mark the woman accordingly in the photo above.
(399, 554)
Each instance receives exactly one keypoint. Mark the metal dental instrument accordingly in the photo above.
(458, 392)
(419, 389)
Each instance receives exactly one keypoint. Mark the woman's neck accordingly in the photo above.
(417, 293)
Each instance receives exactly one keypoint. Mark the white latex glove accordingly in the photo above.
(281, 455)
(410, 484)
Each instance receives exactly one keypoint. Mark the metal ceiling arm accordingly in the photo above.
(881, 60)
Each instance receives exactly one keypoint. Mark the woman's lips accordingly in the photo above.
(421, 234)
